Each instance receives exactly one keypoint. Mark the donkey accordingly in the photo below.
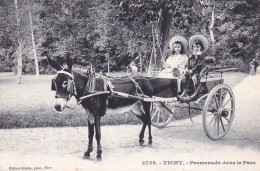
(70, 82)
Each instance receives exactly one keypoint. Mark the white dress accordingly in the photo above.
(174, 61)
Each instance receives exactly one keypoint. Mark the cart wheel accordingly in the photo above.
(218, 112)
(160, 115)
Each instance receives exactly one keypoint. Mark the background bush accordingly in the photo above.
(234, 62)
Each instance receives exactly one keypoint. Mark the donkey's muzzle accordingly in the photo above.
(57, 107)
(60, 104)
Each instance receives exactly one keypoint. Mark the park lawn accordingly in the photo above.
(30, 104)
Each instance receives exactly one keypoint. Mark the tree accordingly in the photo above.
(89, 30)
(19, 73)
(33, 45)
(164, 15)
(208, 6)
(8, 29)
(237, 25)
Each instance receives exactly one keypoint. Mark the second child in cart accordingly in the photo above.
(196, 62)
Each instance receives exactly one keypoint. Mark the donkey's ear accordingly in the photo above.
(69, 63)
(53, 64)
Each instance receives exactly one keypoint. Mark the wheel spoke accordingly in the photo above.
(213, 106)
(220, 96)
(218, 125)
(215, 98)
(214, 126)
(163, 117)
(214, 117)
(222, 124)
(226, 103)
(173, 110)
(155, 106)
(214, 113)
(227, 119)
(154, 114)
(229, 109)
(158, 118)
(225, 92)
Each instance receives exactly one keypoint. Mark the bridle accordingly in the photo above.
(71, 88)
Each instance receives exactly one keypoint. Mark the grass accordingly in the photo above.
(30, 104)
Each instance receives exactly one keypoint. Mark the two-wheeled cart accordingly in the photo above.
(214, 98)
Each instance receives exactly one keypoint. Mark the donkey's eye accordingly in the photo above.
(64, 84)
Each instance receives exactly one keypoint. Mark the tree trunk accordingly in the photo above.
(34, 47)
(19, 61)
(161, 38)
(211, 30)
(165, 25)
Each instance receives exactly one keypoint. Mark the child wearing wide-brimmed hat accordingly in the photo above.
(196, 62)
(176, 62)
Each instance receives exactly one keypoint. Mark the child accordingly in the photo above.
(253, 66)
(176, 62)
(133, 67)
(196, 62)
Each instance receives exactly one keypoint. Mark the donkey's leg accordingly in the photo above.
(90, 139)
(141, 135)
(98, 136)
(148, 120)
(142, 115)
(149, 128)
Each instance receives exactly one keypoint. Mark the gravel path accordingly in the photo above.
(63, 148)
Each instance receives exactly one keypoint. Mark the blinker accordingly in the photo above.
(70, 86)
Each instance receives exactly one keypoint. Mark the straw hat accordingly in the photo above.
(203, 40)
(179, 39)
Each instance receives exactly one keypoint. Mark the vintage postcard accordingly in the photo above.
(129, 85)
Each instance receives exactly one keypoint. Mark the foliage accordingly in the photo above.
(230, 62)
(93, 31)
(238, 28)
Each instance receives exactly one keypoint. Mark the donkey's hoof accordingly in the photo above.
(98, 157)
(86, 155)
(150, 142)
(141, 142)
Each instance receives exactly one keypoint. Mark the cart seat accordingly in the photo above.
(210, 60)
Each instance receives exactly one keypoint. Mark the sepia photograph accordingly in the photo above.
(129, 85)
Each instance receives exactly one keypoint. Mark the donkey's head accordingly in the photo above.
(62, 83)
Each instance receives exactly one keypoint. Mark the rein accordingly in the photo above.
(137, 86)
(90, 89)
(66, 73)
